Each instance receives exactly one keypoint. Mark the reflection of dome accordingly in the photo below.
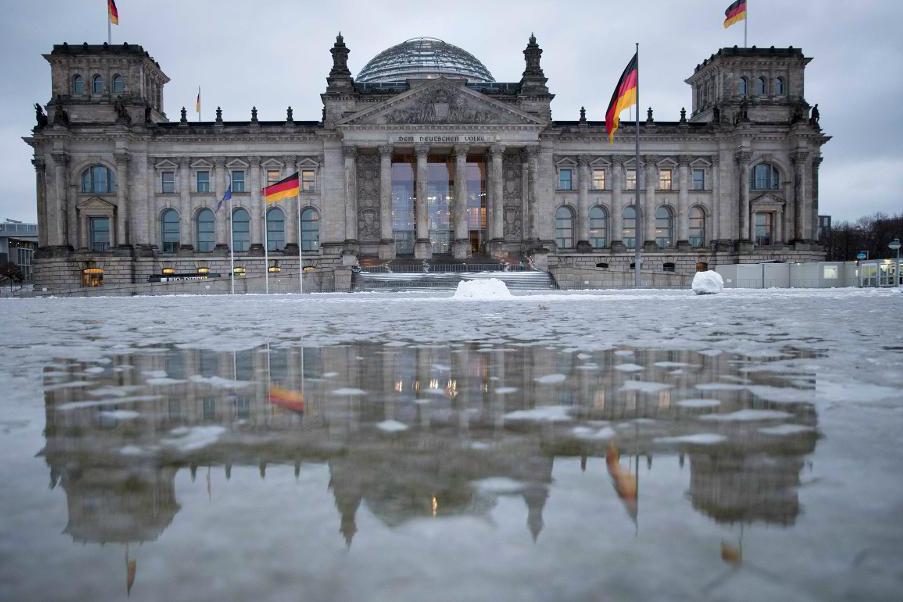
(420, 58)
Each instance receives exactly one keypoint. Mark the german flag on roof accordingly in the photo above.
(624, 96)
(735, 13)
(283, 189)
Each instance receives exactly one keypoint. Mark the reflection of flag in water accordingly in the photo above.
(730, 554)
(287, 398)
(131, 568)
(625, 483)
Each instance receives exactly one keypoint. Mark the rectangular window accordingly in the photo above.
(830, 272)
(203, 181)
(764, 228)
(631, 179)
(698, 179)
(308, 180)
(565, 179)
(664, 179)
(273, 176)
(598, 179)
(99, 232)
(238, 180)
(167, 182)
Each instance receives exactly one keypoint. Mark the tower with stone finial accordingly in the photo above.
(339, 96)
(534, 96)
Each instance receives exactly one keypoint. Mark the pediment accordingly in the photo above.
(165, 164)
(439, 102)
(201, 164)
(94, 203)
(238, 164)
(767, 199)
(271, 163)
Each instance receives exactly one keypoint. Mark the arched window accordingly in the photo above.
(170, 231)
(628, 234)
(241, 230)
(697, 227)
(765, 176)
(598, 227)
(779, 86)
(78, 84)
(310, 229)
(275, 229)
(743, 87)
(118, 84)
(761, 87)
(206, 230)
(564, 228)
(97, 84)
(664, 228)
(98, 179)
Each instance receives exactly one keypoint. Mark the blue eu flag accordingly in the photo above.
(226, 197)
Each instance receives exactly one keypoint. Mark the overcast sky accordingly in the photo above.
(275, 53)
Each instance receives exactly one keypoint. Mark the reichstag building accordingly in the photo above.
(422, 157)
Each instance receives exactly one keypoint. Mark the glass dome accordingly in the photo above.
(423, 58)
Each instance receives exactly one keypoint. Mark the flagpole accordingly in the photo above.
(266, 247)
(109, 27)
(199, 104)
(231, 248)
(300, 249)
(745, 21)
(639, 213)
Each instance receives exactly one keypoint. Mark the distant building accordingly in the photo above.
(18, 242)
(422, 156)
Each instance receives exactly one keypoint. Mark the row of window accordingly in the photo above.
(97, 84)
(237, 180)
(205, 230)
(761, 86)
(566, 179)
(598, 227)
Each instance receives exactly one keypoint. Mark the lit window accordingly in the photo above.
(273, 176)
(167, 182)
(598, 227)
(310, 229)
(238, 181)
(202, 179)
(764, 228)
(664, 227)
(765, 177)
(697, 227)
(99, 232)
(698, 179)
(241, 230)
(118, 84)
(664, 179)
(78, 84)
(628, 233)
(170, 231)
(275, 230)
(308, 180)
(564, 228)
(97, 84)
(631, 179)
(565, 179)
(206, 231)
(98, 179)
(598, 179)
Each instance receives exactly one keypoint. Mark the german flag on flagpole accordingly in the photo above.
(283, 189)
(114, 14)
(288, 399)
(735, 13)
(624, 97)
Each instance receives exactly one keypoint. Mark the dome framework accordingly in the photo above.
(423, 58)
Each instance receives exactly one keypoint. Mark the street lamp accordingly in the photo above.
(894, 245)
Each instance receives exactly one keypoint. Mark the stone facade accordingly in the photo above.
(122, 188)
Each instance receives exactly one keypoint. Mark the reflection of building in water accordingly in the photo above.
(168, 410)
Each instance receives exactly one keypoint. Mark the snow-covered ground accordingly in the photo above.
(791, 440)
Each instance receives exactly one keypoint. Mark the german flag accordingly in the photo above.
(624, 97)
(735, 13)
(288, 399)
(114, 14)
(283, 189)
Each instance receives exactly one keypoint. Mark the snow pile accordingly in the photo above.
(489, 288)
(707, 283)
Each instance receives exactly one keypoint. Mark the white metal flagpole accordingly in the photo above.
(266, 248)
(231, 247)
(639, 224)
(745, 21)
(300, 247)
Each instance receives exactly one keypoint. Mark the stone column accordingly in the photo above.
(350, 195)
(583, 179)
(532, 197)
(742, 158)
(525, 194)
(497, 223)
(813, 196)
(422, 247)
(617, 205)
(683, 202)
(123, 237)
(651, 183)
(40, 170)
(461, 247)
(223, 217)
(292, 208)
(257, 208)
(56, 226)
(715, 221)
(386, 235)
(800, 196)
(184, 180)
